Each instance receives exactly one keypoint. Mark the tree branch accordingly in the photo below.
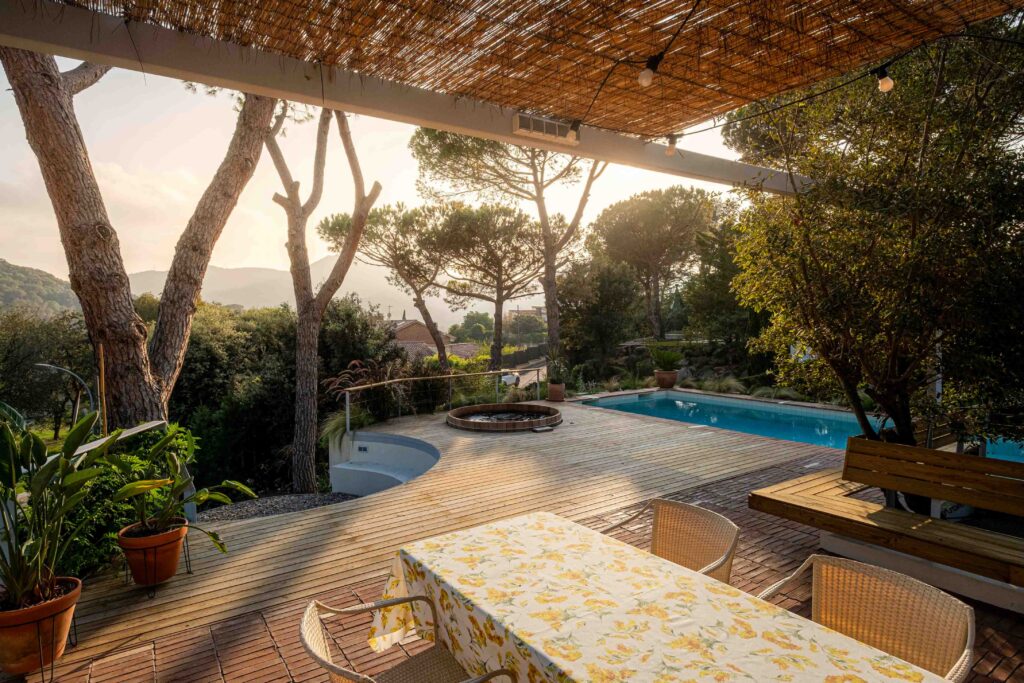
(596, 169)
(319, 161)
(361, 210)
(82, 76)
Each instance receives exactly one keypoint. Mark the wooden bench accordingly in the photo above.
(825, 500)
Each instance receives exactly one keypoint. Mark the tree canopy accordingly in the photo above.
(895, 267)
(654, 233)
(393, 239)
(490, 253)
(453, 164)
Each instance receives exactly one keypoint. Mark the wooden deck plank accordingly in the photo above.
(596, 462)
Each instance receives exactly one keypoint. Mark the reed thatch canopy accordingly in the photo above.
(579, 59)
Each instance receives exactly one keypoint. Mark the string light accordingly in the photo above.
(671, 149)
(646, 77)
(885, 82)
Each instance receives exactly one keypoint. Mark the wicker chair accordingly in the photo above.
(690, 536)
(890, 611)
(435, 665)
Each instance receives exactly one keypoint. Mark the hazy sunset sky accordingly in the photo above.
(155, 146)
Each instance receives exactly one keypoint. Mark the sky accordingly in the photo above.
(155, 145)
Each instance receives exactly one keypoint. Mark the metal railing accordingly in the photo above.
(451, 380)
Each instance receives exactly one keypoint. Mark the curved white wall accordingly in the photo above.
(362, 463)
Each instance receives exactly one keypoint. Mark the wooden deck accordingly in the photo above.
(596, 462)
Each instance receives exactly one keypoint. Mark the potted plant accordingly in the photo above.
(556, 379)
(152, 545)
(666, 367)
(38, 492)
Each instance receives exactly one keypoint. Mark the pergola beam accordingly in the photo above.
(49, 27)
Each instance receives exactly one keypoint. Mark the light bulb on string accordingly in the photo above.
(885, 82)
(671, 149)
(646, 76)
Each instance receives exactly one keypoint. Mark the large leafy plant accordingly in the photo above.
(666, 359)
(38, 492)
(163, 487)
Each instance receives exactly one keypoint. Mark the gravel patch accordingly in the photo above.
(266, 506)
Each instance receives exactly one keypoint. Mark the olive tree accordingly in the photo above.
(895, 268)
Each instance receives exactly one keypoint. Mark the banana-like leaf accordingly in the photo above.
(214, 538)
(10, 469)
(78, 434)
(71, 503)
(238, 486)
(77, 479)
(157, 450)
(101, 450)
(42, 478)
(38, 447)
(219, 497)
(139, 487)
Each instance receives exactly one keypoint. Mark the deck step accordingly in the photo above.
(365, 477)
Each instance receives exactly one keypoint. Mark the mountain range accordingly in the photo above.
(259, 287)
(246, 287)
(35, 289)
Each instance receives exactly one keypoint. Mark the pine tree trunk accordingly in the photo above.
(306, 376)
(550, 284)
(497, 342)
(180, 295)
(91, 246)
(435, 334)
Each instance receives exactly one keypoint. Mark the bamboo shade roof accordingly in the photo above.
(551, 57)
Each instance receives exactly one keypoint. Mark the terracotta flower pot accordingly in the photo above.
(153, 559)
(665, 379)
(23, 630)
(556, 392)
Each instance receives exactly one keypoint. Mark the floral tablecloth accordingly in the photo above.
(555, 601)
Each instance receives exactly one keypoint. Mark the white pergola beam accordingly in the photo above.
(45, 26)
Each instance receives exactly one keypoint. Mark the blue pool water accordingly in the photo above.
(805, 424)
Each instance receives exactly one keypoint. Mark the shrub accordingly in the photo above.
(100, 518)
(784, 393)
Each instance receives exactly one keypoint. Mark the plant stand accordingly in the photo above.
(151, 589)
(72, 641)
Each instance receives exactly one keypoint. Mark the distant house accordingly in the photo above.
(532, 312)
(414, 337)
(415, 331)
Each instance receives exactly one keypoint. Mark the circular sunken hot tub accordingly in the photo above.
(504, 417)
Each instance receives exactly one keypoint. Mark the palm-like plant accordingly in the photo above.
(38, 491)
(666, 359)
(161, 492)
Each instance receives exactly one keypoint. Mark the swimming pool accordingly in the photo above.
(792, 422)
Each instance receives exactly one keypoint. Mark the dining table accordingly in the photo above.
(555, 601)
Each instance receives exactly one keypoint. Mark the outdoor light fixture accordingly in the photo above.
(671, 149)
(646, 76)
(885, 82)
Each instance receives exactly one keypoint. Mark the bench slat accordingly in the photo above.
(982, 482)
(969, 463)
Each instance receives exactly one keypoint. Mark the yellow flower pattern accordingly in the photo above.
(557, 603)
